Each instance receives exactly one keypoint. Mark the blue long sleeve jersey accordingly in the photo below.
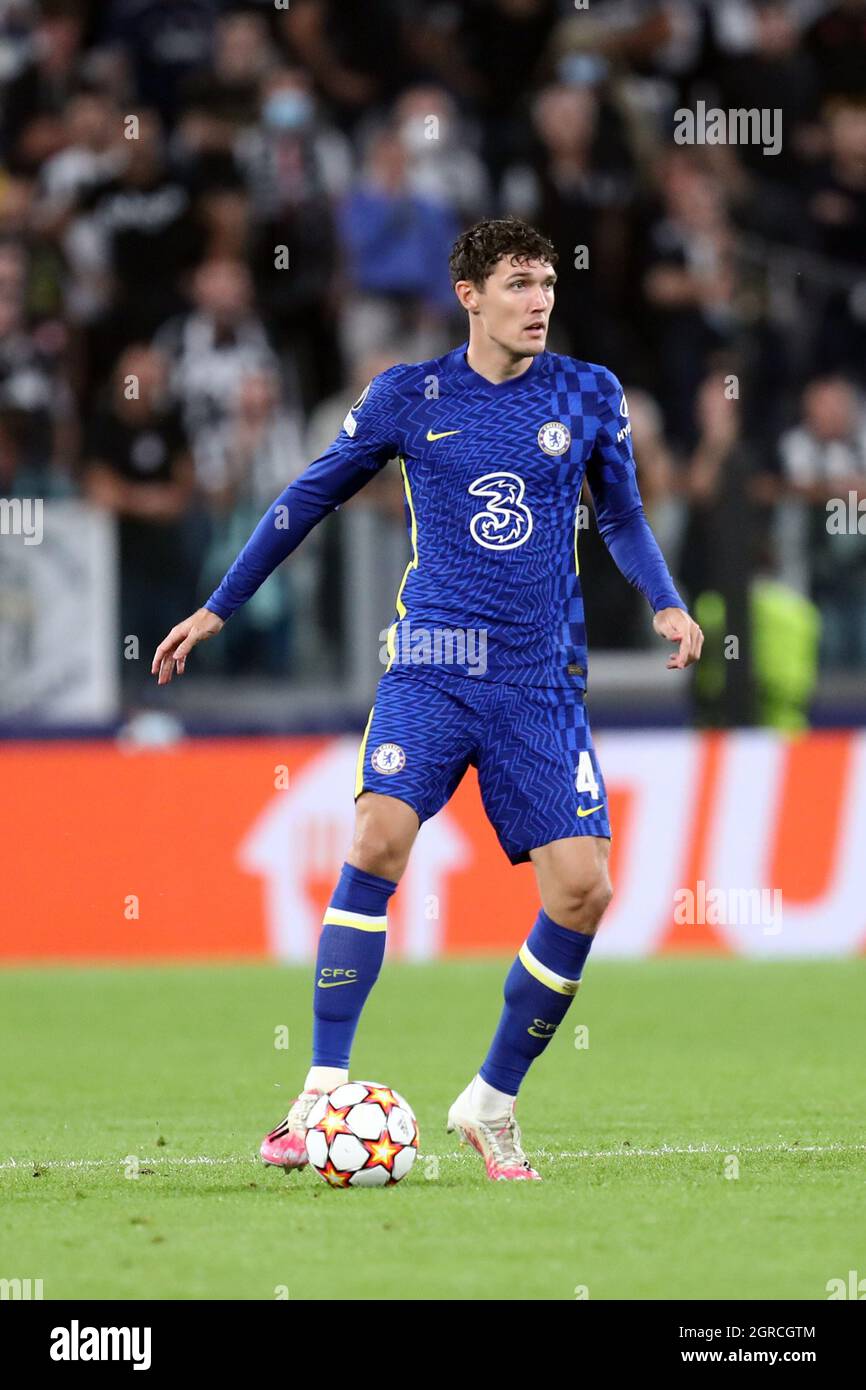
(492, 475)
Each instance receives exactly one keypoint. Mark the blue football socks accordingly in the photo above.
(538, 990)
(351, 949)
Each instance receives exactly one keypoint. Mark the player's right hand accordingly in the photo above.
(175, 648)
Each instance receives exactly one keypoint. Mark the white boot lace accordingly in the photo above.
(297, 1116)
(505, 1142)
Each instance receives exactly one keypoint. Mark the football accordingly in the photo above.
(362, 1134)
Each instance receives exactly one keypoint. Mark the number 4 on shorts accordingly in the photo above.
(585, 779)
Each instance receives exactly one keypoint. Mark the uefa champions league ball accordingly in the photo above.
(362, 1134)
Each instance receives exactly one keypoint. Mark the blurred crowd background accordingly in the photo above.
(249, 207)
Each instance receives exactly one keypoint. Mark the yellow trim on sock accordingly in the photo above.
(544, 975)
(339, 917)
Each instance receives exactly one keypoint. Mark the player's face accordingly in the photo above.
(515, 304)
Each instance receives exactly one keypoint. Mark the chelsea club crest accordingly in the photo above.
(554, 438)
(388, 758)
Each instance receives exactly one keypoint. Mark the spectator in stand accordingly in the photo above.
(489, 53)
(202, 152)
(837, 42)
(715, 484)
(296, 166)
(292, 133)
(689, 286)
(36, 404)
(580, 188)
(163, 43)
(261, 451)
(208, 351)
(220, 106)
(92, 154)
(20, 222)
(34, 103)
(443, 164)
(397, 245)
(243, 53)
(137, 467)
(131, 242)
(839, 204)
(261, 446)
(773, 73)
(357, 55)
(838, 211)
(823, 465)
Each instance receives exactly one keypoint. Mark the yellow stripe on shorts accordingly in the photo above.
(359, 769)
(412, 565)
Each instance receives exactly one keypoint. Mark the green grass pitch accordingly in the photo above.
(690, 1062)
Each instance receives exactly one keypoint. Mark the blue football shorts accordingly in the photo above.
(537, 768)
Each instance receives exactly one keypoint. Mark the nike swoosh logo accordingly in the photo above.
(431, 436)
(332, 984)
(581, 812)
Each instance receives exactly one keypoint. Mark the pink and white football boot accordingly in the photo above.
(497, 1141)
(285, 1146)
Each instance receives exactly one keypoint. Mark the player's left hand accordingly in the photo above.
(677, 626)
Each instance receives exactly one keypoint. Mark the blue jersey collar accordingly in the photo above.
(493, 387)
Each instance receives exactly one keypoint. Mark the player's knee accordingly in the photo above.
(379, 846)
(580, 901)
(377, 851)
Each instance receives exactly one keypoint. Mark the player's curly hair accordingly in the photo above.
(476, 252)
